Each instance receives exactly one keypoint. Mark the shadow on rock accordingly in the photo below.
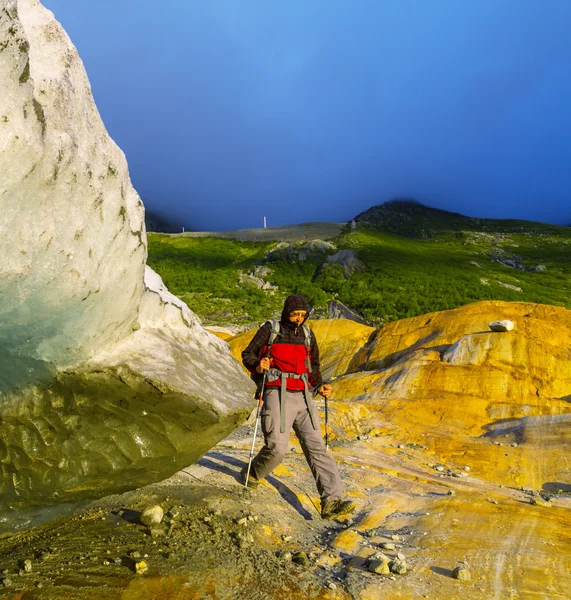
(441, 571)
(284, 491)
(554, 487)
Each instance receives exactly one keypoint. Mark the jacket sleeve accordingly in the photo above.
(253, 353)
(315, 377)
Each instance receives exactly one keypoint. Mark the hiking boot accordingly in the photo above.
(253, 483)
(335, 508)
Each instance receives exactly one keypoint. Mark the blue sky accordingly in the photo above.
(315, 110)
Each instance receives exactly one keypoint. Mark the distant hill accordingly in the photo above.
(284, 233)
(401, 260)
(413, 219)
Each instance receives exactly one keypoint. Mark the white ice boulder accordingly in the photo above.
(107, 380)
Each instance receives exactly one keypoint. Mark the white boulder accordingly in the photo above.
(505, 325)
(107, 381)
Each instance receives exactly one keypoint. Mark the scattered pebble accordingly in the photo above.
(387, 545)
(380, 567)
(301, 558)
(141, 567)
(398, 566)
(152, 516)
(539, 501)
(461, 573)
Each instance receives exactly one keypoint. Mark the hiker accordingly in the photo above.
(290, 356)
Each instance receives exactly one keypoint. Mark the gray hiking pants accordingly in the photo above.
(276, 445)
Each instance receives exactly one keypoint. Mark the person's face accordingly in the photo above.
(297, 316)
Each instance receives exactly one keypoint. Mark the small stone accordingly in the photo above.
(331, 586)
(401, 446)
(27, 566)
(378, 556)
(284, 555)
(387, 546)
(141, 567)
(505, 325)
(380, 567)
(135, 554)
(461, 573)
(7, 582)
(401, 556)
(451, 492)
(151, 516)
(156, 532)
(398, 566)
(286, 538)
(514, 445)
(301, 558)
(439, 468)
(242, 521)
(539, 501)
(466, 468)
(395, 537)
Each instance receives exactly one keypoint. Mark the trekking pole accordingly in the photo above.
(326, 425)
(260, 402)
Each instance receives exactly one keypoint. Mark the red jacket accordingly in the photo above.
(288, 354)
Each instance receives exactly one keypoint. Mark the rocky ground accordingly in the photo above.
(217, 540)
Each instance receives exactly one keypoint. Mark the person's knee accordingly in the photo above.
(313, 444)
(277, 451)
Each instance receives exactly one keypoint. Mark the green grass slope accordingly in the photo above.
(436, 261)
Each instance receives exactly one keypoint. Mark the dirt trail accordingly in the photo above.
(223, 542)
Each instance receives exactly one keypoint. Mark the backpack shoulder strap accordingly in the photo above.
(275, 331)
(307, 335)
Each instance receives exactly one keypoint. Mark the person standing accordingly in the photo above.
(291, 363)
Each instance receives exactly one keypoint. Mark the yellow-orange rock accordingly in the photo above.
(491, 410)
